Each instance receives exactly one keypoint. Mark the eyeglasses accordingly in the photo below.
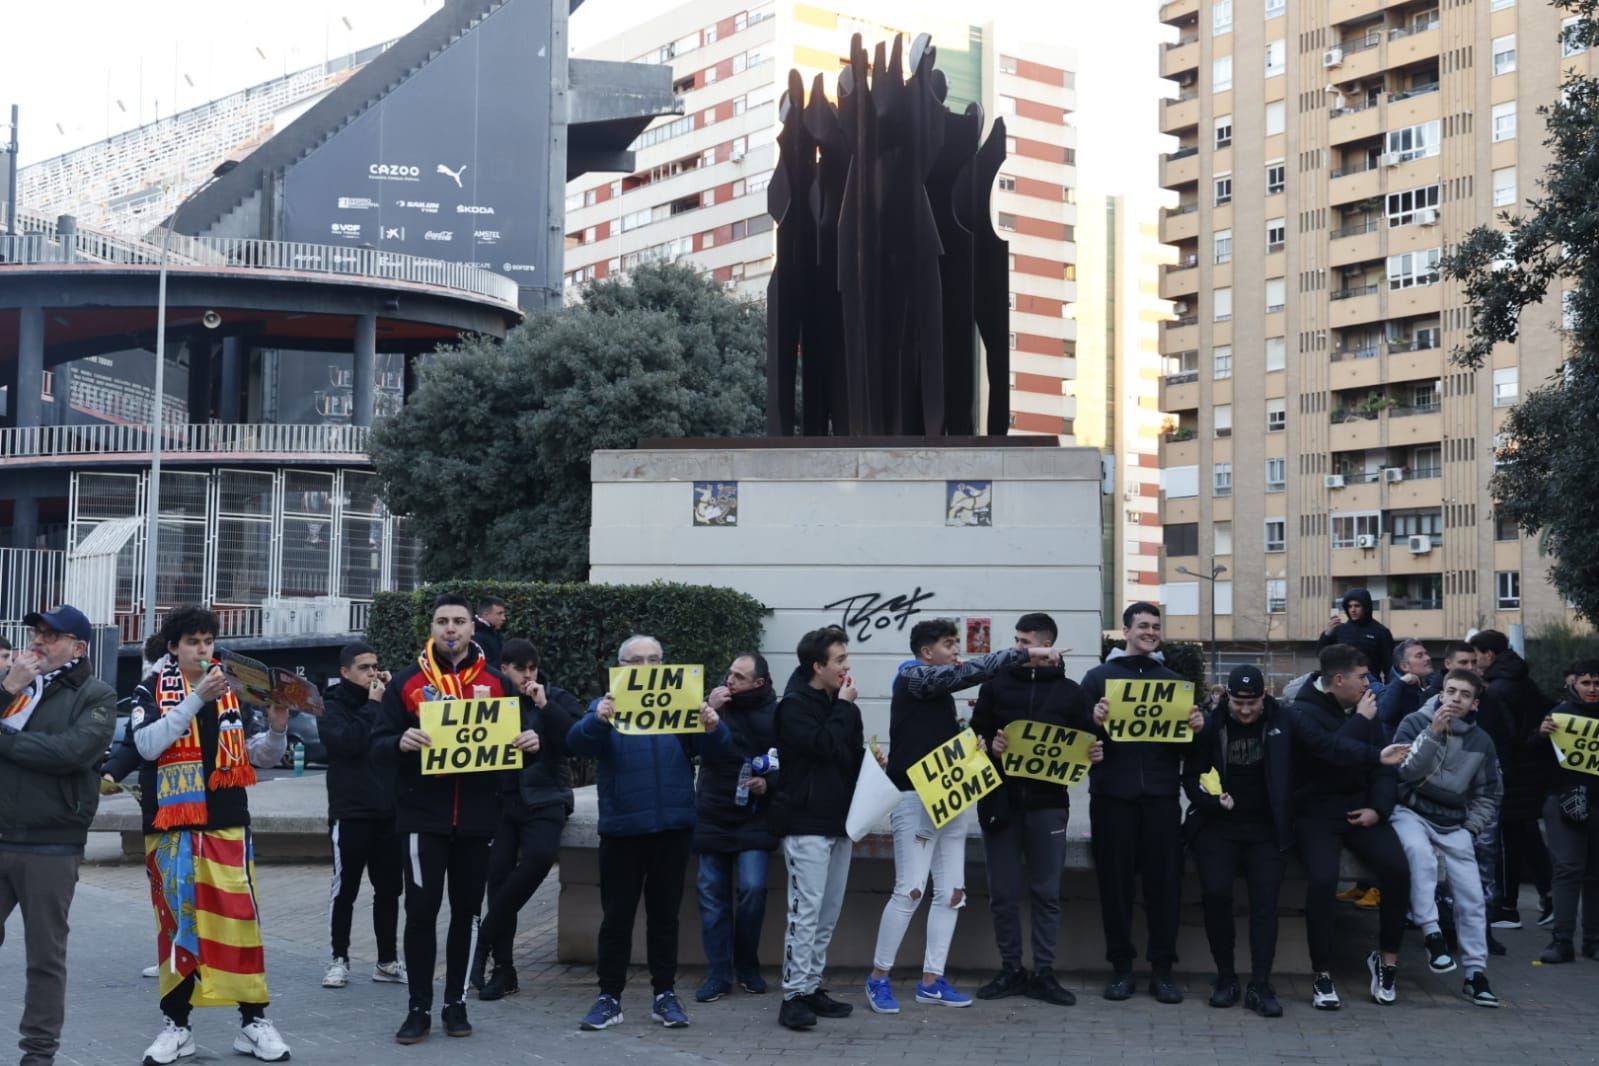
(49, 636)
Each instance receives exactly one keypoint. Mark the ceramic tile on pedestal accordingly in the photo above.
(716, 503)
(968, 503)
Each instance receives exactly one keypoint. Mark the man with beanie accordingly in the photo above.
(1360, 630)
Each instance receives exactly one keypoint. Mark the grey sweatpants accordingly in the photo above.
(42, 886)
(818, 871)
(1426, 846)
(1039, 838)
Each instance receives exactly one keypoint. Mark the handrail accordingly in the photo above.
(1358, 167)
(1182, 153)
(1355, 229)
(194, 438)
(1349, 294)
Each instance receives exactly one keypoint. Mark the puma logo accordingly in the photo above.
(453, 175)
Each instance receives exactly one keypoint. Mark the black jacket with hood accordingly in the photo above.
(1520, 707)
(1337, 765)
(357, 787)
(1367, 634)
(722, 824)
(545, 779)
(1278, 728)
(820, 744)
(1030, 693)
(1132, 769)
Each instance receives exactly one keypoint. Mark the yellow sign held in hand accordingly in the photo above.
(1210, 782)
(1155, 710)
(657, 699)
(953, 777)
(1576, 740)
(470, 736)
(1046, 752)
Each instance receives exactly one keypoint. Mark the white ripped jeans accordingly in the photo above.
(920, 850)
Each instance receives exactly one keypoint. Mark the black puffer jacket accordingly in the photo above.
(1278, 731)
(1133, 768)
(545, 779)
(722, 824)
(1526, 764)
(1367, 635)
(357, 787)
(1337, 767)
(1030, 693)
(820, 744)
(1560, 779)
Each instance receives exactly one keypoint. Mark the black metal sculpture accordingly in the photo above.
(888, 267)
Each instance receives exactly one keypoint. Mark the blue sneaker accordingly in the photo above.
(712, 990)
(668, 1011)
(880, 996)
(941, 993)
(606, 1012)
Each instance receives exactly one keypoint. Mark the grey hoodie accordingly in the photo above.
(1451, 781)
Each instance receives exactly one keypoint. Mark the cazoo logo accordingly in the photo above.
(394, 172)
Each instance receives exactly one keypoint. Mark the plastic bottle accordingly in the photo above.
(741, 795)
(299, 759)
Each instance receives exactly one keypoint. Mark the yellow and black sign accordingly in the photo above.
(1046, 752)
(470, 736)
(1155, 710)
(1576, 739)
(953, 777)
(657, 699)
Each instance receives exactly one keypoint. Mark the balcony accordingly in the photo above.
(1405, 47)
(1416, 300)
(1181, 113)
(1410, 108)
(1353, 182)
(1356, 242)
(1354, 434)
(1180, 392)
(1361, 492)
(1414, 425)
(1180, 224)
(1401, 560)
(1178, 452)
(1357, 122)
(1361, 58)
(1340, 11)
(1355, 562)
(1179, 11)
(261, 442)
(1350, 306)
(1180, 168)
(1357, 367)
(1416, 619)
(1182, 334)
(1179, 281)
(1180, 55)
(1408, 364)
(1422, 487)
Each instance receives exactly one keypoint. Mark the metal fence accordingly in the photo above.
(31, 579)
(213, 438)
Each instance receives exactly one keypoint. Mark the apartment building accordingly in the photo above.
(1318, 437)
(699, 190)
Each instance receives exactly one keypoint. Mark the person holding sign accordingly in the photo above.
(1026, 819)
(1132, 807)
(646, 791)
(922, 719)
(447, 818)
(1571, 813)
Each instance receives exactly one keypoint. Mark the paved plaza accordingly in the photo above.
(1548, 1015)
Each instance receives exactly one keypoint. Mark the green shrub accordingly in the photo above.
(578, 627)
(1187, 658)
(1554, 646)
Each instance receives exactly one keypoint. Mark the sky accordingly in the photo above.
(119, 62)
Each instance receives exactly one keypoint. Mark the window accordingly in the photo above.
(1007, 183)
(1505, 54)
(1007, 104)
(1414, 142)
(1276, 58)
(1221, 17)
(1504, 116)
(1277, 587)
(1223, 413)
(1402, 206)
(1007, 221)
(1276, 294)
(1276, 475)
(1505, 187)
(1221, 74)
(1413, 268)
(1224, 304)
(1500, 5)
(1274, 8)
(1505, 527)
(1276, 234)
(1222, 538)
(1507, 590)
(1223, 356)
(1182, 538)
(1276, 534)
(1507, 388)
(1276, 177)
(1348, 529)
(1223, 245)
(1406, 524)
(1224, 131)
(1224, 188)
(1427, 463)
(1221, 479)
(1276, 117)
(1276, 353)
(1007, 64)
(1276, 415)
(1570, 43)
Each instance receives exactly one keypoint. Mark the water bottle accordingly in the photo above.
(741, 795)
(299, 759)
(764, 764)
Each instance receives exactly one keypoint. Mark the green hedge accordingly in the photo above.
(577, 627)
(1182, 656)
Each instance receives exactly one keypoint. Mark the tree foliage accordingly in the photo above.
(490, 456)
(1544, 468)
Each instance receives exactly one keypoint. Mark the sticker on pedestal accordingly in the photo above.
(968, 503)
(716, 503)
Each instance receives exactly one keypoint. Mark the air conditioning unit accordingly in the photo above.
(1427, 216)
(1333, 481)
(1366, 540)
(1420, 544)
(1389, 159)
(736, 157)
(1393, 473)
(1180, 307)
(1332, 57)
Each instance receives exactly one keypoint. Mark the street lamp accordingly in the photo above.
(1217, 570)
(152, 497)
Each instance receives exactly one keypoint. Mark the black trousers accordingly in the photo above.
(524, 850)
(652, 865)
(1138, 840)
(1523, 854)
(434, 860)
(372, 846)
(176, 1005)
(1322, 839)
(1223, 849)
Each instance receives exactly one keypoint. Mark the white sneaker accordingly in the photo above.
(260, 1038)
(390, 973)
(151, 971)
(338, 974)
(171, 1044)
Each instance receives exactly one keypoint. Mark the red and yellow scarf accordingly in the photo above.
(181, 783)
(451, 686)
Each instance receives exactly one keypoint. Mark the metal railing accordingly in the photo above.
(1353, 109)
(1355, 229)
(1406, 410)
(1182, 377)
(1181, 209)
(31, 579)
(1413, 345)
(1420, 90)
(1371, 351)
(1360, 44)
(1359, 166)
(201, 438)
(1351, 293)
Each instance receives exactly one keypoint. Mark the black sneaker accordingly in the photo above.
(1494, 947)
(1163, 988)
(454, 1017)
(1590, 949)
(1557, 952)
(415, 1029)
(1504, 918)
(1121, 986)
(1438, 957)
(825, 1006)
(1476, 989)
(1323, 995)
(502, 984)
(1043, 986)
(477, 976)
(1262, 999)
(1546, 912)
(1010, 981)
(796, 1014)
(1224, 990)
(1384, 980)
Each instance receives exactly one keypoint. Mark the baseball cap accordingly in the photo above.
(64, 619)
(1246, 682)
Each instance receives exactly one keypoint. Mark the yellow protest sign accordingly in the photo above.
(1154, 710)
(1576, 740)
(1046, 752)
(1210, 782)
(657, 699)
(470, 736)
(953, 777)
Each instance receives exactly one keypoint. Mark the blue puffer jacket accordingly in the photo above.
(645, 783)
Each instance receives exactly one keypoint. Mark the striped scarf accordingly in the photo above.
(20, 709)
(450, 686)
(181, 783)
